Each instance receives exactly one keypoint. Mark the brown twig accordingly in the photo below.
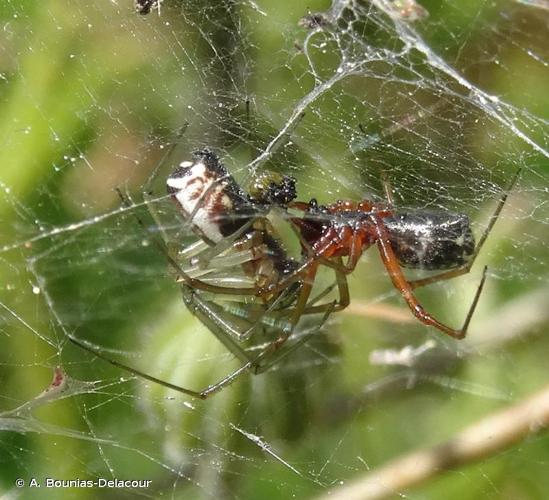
(482, 439)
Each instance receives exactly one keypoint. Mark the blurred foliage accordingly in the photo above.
(91, 95)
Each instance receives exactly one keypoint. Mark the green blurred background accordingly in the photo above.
(92, 95)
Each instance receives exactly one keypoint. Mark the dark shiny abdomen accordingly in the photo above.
(430, 240)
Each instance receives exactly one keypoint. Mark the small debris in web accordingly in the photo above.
(406, 10)
(144, 7)
(407, 356)
(314, 20)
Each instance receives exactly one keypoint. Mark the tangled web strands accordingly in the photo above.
(445, 102)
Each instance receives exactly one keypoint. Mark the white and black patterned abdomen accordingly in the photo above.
(209, 197)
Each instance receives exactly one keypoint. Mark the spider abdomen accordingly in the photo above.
(430, 240)
(209, 197)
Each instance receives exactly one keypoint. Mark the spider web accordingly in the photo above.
(445, 101)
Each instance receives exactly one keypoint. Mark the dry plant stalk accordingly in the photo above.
(480, 440)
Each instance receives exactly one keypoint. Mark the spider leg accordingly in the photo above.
(267, 317)
(302, 309)
(341, 271)
(406, 289)
(279, 355)
(212, 251)
(127, 368)
(218, 327)
(254, 365)
(337, 265)
(272, 354)
(334, 263)
(302, 300)
(344, 298)
(223, 329)
(343, 288)
(215, 324)
(464, 269)
(314, 259)
(275, 318)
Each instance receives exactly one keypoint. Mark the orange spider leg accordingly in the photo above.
(406, 289)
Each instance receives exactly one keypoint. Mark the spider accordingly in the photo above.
(238, 254)
(235, 232)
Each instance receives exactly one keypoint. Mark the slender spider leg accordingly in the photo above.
(215, 324)
(127, 368)
(301, 306)
(212, 251)
(203, 394)
(311, 263)
(343, 287)
(225, 262)
(303, 297)
(201, 309)
(465, 268)
(264, 316)
(403, 286)
(277, 356)
(324, 293)
(273, 353)
(336, 305)
(336, 264)
(210, 322)
(219, 326)
(229, 379)
(344, 298)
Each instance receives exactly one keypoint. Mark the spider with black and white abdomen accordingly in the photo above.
(239, 254)
(224, 276)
